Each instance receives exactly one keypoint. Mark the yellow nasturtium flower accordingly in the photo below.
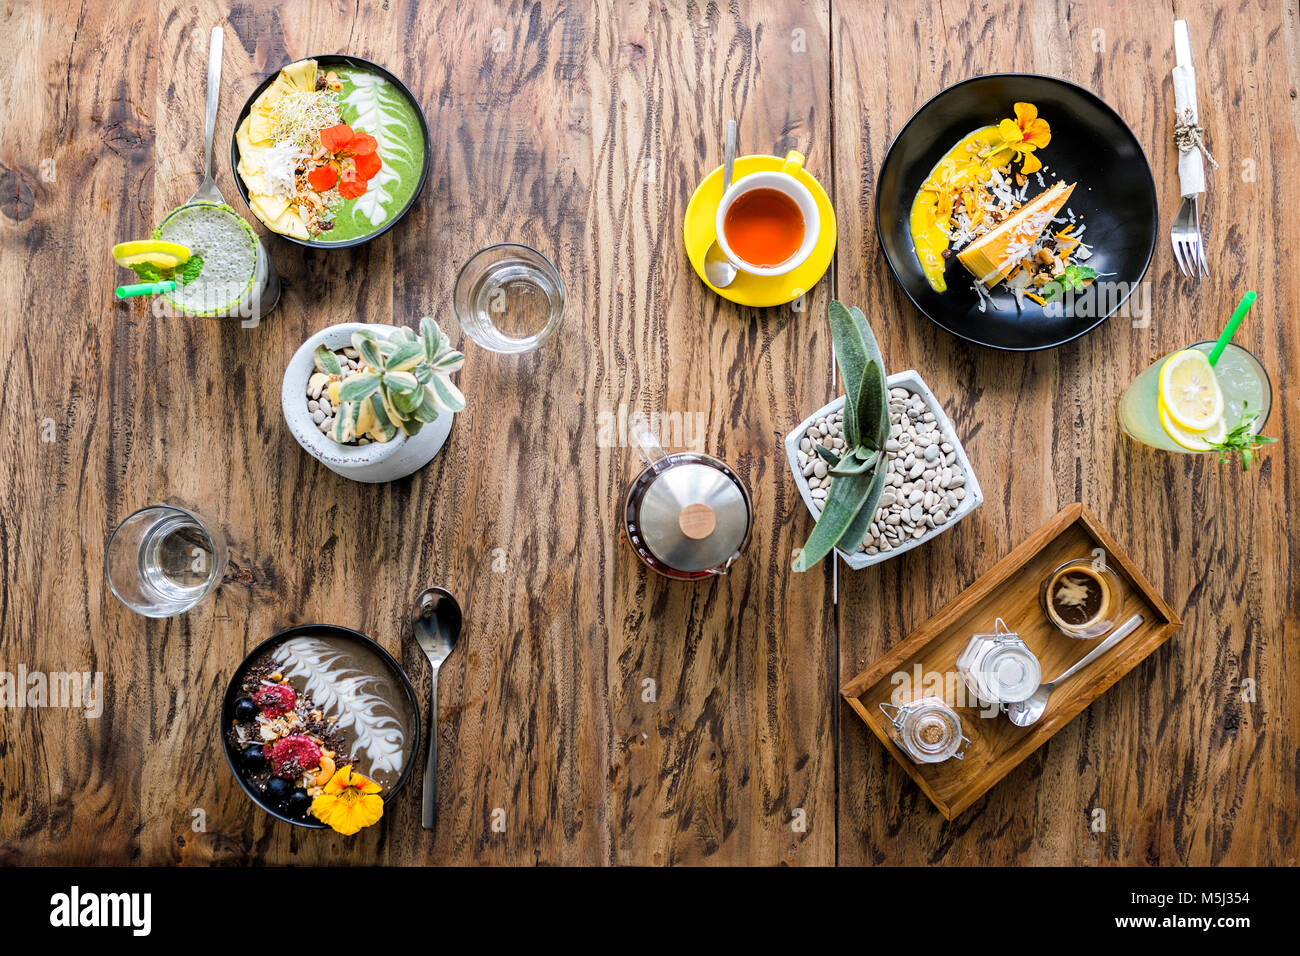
(349, 802)
(1022, 136)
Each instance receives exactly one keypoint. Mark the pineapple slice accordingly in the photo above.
(301, 75)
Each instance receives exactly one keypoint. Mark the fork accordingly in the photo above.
(1189, 247)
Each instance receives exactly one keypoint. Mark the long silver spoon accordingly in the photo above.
(437, 628)
(717, 267)
(1027, 712)
(208, 191)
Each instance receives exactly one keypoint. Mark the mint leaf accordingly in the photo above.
(1076, 277)
(147, 271)
(1242, 441)
(189, 270)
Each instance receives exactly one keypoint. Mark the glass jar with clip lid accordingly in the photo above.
(999, 668)
(927, 730)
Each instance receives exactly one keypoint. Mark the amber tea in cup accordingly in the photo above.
(764, 227)
(767, 222)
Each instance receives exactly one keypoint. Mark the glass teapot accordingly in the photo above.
(686, 515)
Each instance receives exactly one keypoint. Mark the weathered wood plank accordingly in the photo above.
(1184, 770)
(719, 692)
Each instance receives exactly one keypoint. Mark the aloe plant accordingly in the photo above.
(405, 385)
(860, 469)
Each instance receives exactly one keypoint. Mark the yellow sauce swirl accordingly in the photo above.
(957, 175)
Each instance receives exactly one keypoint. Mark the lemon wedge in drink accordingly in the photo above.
(154, 252)
(1189, 392)
(1193, 441)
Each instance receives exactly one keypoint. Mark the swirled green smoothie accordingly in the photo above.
(371, 103)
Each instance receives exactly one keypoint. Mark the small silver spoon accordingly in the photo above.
(208, 191)
(717, 267)
(1027, 712)
(437, 628)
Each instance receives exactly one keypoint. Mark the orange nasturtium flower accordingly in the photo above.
(356, 161)
(349, 802)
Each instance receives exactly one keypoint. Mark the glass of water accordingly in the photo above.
(162, 560)
(509, 298)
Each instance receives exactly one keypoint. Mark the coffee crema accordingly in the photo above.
(1079, 598)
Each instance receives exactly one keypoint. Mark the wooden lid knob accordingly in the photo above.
(697, 521)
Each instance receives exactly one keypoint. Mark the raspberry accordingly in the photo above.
(275, 699)
(293, 755)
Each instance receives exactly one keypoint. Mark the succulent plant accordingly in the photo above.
(404, 385)
(860, 468)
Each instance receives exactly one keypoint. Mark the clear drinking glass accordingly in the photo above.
(509, 298)
(162, 560)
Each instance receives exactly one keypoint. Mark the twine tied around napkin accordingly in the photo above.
(1188, 135)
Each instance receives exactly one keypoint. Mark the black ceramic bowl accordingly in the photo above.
(319, 630)
(1090, 145)
(326, 61)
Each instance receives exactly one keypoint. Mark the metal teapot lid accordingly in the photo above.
(694, 516)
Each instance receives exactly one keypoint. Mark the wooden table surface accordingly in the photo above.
(595, 713)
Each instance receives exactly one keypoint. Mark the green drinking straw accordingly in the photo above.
(146, 288)
(1230, 329)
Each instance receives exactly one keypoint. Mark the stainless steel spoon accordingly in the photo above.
(1027, 712)
(437, 628)
(208, 191)
(717, 267)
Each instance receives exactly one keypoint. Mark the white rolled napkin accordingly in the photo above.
(1191, 165)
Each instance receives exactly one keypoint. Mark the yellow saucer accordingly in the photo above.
(698, 234)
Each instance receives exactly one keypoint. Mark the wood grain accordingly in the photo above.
(1009, 592)
(596, 713)
(1188, 762)
(576, 128)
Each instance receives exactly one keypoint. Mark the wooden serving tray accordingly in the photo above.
(1010, 590)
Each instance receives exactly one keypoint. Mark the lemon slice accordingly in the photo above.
(155, 252)
(1193, 441)
(1189, 391)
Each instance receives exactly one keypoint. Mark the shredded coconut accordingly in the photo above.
(279, 162)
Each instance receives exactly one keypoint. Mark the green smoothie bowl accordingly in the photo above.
(331, 151)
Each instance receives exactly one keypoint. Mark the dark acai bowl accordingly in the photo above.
(320, 727)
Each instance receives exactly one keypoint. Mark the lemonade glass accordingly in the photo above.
(1240, 375)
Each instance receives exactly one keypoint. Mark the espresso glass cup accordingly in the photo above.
(783, 180)
(1096, 577)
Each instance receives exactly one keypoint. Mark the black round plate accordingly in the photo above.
(323, 630)
(1091, 145)
(327, 60)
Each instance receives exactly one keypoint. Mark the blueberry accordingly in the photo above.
(278, 790)
(245, 709)
(252, 759)
(297, 804)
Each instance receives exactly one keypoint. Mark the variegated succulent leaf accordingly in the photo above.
(326, 361)
(406, 383)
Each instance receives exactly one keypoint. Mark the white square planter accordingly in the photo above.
(911, 381)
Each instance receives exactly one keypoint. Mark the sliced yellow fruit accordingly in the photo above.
(1189, 391)
(259, 127)
(155, 252)
(1193, 441)
(301, 74)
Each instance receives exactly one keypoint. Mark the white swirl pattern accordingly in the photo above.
(373, 100)
(341, 690)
